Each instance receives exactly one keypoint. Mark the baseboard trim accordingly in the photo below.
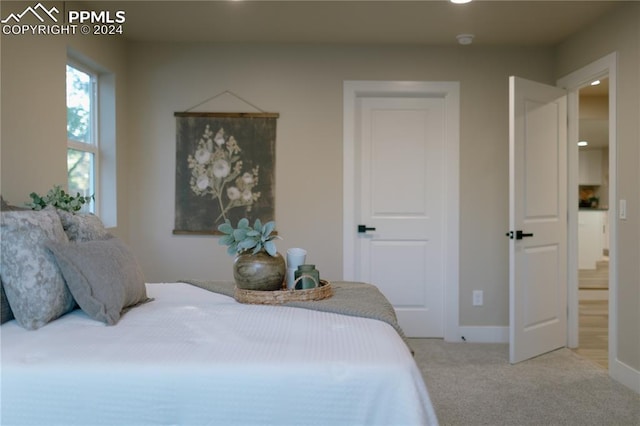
(625, 374)
(483, 334)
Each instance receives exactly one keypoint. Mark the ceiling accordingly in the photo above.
(390, 22)
(601, 89)
(416, 22)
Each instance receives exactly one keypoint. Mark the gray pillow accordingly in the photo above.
(103, 276)
(33, 284)
(82, 226)
(5, 310)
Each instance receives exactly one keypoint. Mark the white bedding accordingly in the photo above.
(193, 357)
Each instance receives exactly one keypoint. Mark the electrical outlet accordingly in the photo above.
(477, 297)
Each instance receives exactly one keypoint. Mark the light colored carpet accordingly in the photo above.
(474, 384)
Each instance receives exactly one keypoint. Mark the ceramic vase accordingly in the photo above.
(259, 271)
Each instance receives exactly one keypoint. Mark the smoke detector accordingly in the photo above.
(465, 39)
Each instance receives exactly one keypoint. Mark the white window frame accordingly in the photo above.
(93, 146)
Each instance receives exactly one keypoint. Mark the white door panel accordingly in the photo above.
(401, 176)
(401, 196)
(537, 208)
(383, 266)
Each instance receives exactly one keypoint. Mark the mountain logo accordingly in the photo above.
(38, 11)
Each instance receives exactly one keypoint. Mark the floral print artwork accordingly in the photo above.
(217, 170)
(224, 169)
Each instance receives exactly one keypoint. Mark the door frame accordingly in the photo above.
(573, 83)
(353, 91)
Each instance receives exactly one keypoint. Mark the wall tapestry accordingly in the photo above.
(225, 169)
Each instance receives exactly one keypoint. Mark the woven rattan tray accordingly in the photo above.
(279, 297)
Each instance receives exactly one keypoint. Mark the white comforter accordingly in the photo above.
(192, 357)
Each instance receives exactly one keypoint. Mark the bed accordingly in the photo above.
(186, 355)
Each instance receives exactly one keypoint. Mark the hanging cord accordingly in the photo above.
(224, 93)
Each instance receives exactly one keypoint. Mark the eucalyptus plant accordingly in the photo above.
(58, 198)
(246, 238)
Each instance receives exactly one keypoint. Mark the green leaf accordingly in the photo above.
(58, 198)
(270, 247)
(226, 240)
(239, 234)
(247, 244)
(226, 227)
(245, 238)
(268, 228)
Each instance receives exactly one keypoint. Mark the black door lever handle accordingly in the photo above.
(518, 235)
(365, 228)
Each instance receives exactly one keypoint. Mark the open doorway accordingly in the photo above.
(581, 78)
(593, 222)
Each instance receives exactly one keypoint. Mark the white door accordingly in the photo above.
(401, 185)
(537, 219)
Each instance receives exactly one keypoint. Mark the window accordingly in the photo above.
(92, 135)
(82, 144)
(82, 131)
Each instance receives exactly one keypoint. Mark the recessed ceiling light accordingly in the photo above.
(465, 39)
(595, 82)
(583, 143)
(460, 1)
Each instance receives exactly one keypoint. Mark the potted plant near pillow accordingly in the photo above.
(257, 264)
(59, 199)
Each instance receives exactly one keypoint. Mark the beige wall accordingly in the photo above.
(33, 121)
(620, 32)
(304, 85)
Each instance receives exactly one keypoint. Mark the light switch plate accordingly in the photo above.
(623, 209)
(477, 298)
